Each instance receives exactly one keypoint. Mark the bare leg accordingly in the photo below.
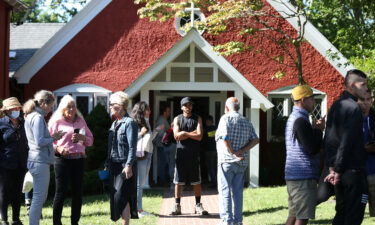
(178, 191)
(291, 221)
(197, 190)
(126, 215)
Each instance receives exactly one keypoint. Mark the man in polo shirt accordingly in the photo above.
(188, 133)
(235, 136)
(303, 142)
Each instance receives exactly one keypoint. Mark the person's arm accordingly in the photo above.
(132, 136)
(351, 124)
(198, 133)
(88, 138)
(9, 135)
(38, 128)
(308, 137)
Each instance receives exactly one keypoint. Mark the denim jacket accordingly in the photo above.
(122, 141)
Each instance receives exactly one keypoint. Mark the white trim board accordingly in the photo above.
(59, 40)
(194, 37)
(314, 37)
(82, 88)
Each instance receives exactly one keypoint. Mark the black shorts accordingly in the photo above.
(187, 169)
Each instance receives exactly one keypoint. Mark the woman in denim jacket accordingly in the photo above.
(121, 161)
(41, 153)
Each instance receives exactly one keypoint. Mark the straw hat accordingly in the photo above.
(11, 103)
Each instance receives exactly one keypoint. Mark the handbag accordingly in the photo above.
(142, 145)
(27, 183)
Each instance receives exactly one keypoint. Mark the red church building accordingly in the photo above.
(6, 7)
(107, 48)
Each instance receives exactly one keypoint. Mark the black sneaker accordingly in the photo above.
(18, 222)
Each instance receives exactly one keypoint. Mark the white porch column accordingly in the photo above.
(254, 152)
(239, 95)
(145, 97)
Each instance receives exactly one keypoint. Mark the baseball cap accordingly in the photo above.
(186, 100)
(301, 91)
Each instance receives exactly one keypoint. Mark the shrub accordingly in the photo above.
(99, 123)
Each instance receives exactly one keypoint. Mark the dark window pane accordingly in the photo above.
(83, 104)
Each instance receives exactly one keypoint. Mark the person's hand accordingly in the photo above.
(239, 154)
(337, 178)
(78, 137)
(58, 135)
(143, 130)
(128, 172)
(321, 123)
(62, 151)
(180, 136)
(160, 127)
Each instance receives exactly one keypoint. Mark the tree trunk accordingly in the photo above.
(299, 63)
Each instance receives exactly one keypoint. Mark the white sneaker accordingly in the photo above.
(226, 223)
(143, 213)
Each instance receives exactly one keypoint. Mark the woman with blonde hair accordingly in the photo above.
(70, 156)
(121, 161)
(41, 153)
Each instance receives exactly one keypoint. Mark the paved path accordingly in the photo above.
(209, 201)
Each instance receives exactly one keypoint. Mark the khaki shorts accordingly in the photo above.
(302, 198)
(371, 191)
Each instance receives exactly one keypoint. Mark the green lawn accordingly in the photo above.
(95, 210)
(266, 206)
(262, 206)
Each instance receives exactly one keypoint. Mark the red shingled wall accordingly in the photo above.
(116, 47)
(4, 49)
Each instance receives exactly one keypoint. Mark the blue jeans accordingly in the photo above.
(170, 152)
(231, 178)
(40, 173)
(143, 167)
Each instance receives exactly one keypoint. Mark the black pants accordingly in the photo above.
(351, 198)
(11, 192)
(68, 170)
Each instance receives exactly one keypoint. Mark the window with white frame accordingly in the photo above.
(181, 22)
(87, 96)
(283, 105)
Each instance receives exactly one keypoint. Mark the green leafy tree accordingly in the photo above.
(246, 18)
(348, 24)
(48, 11)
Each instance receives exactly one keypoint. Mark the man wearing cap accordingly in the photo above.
(235, 136)
(188, 134)
(345, 153)
(13, 157)
(303, 141)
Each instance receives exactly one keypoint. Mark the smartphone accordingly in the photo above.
(76, 131)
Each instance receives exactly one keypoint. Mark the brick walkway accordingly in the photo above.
(209, 201)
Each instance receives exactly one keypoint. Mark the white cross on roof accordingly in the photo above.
(193, 10)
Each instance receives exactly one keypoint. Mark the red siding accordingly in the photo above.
(116, 47)
(4, 49)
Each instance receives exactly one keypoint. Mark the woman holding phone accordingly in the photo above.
(69, 156)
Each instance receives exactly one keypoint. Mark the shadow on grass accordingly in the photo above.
(267, 210)
(325, 221)
(210, 216)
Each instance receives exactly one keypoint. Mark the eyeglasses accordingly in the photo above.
(114, 104)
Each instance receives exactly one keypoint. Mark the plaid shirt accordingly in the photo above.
(239, 131)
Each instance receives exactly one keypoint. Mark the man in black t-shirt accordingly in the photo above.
(188, 133)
